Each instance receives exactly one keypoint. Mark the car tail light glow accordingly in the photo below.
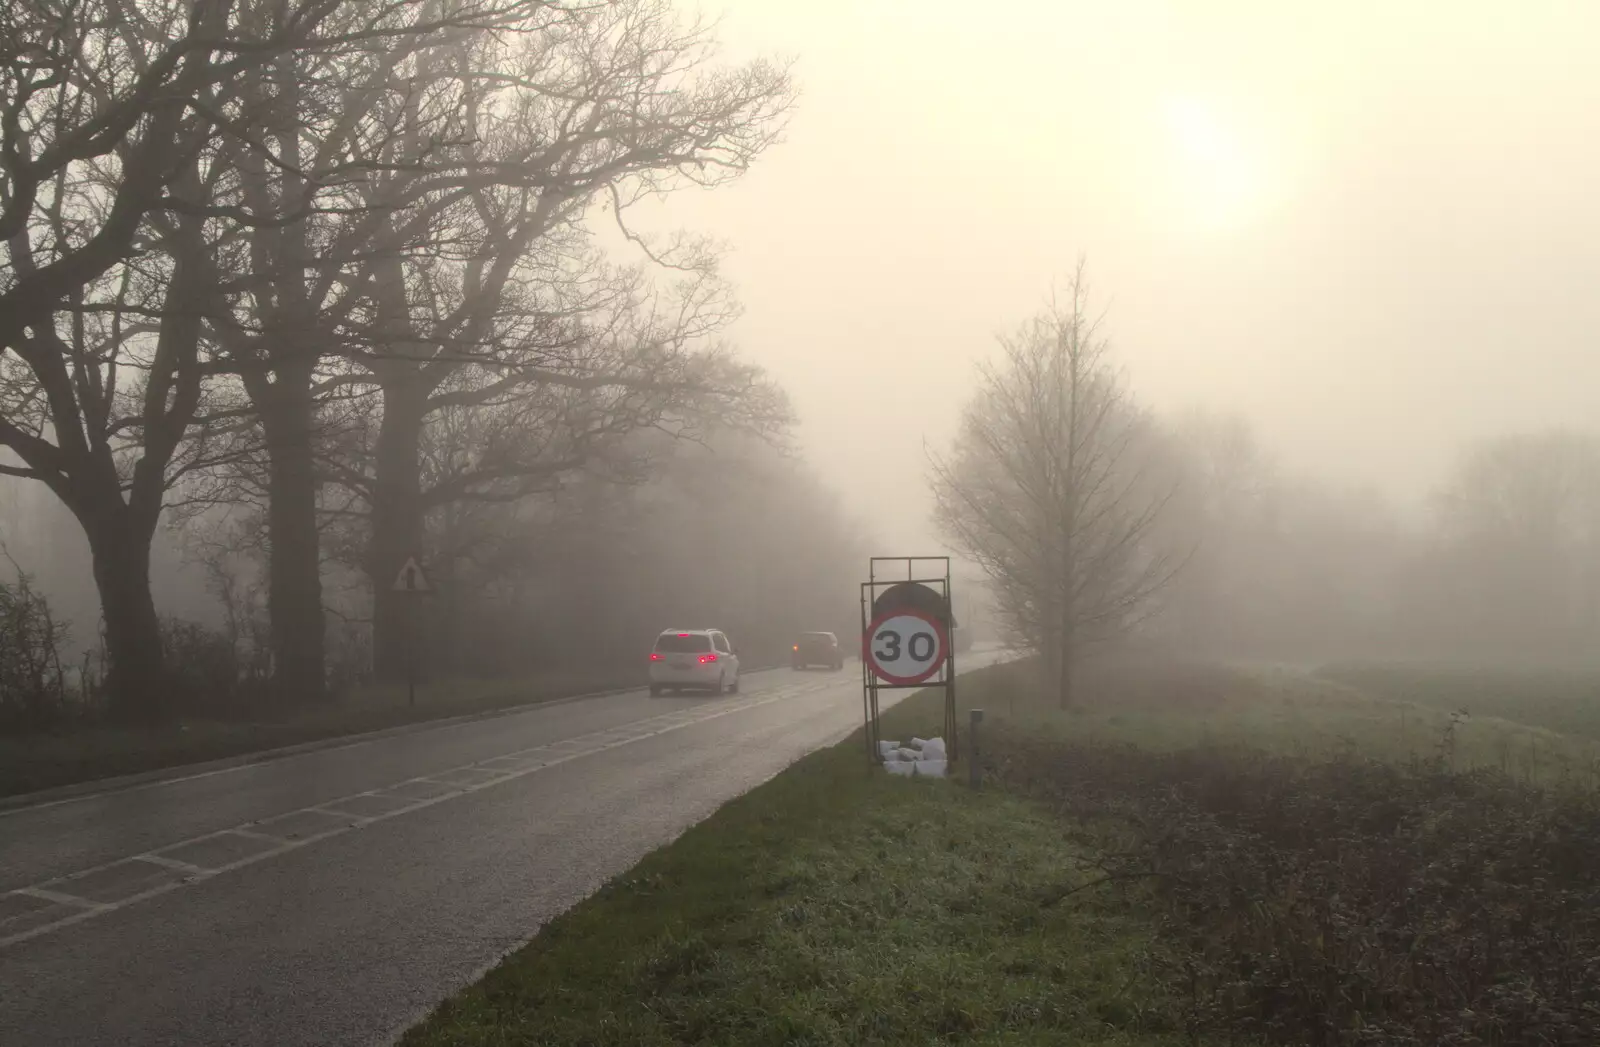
(655, 656)
(706, 659)
(684, 635)
(797, 647)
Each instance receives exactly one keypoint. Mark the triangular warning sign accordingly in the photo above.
(411, 579)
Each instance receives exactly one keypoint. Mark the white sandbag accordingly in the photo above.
(930, 768)
(901, 767)
(918, 743)
(933, 749)
(909, 754)
(885, 748)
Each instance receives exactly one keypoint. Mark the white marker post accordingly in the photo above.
(412, 580)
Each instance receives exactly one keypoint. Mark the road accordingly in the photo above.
(333, 897)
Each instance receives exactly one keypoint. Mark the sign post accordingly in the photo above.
(906, 626)
(413, 581)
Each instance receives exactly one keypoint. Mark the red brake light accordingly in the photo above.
(706, 659)
(797, 647)
(655, 656)
(684, 635)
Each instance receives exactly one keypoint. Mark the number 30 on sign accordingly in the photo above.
(905, 647)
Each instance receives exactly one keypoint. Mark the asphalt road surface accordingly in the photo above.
(334, 897)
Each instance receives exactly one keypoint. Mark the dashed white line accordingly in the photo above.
(173, 864)
(244, 832)
(58, 891)
(59, 898)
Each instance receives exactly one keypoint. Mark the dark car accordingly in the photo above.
(818, 649)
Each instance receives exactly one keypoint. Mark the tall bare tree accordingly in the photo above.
(1055, 486)
(506, 316)
(354, 136)
(118, 124)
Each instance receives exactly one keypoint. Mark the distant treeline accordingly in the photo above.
(1098, 520)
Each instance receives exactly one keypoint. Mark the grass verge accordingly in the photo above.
(80, 754)
(834, 905)
(1190, 854)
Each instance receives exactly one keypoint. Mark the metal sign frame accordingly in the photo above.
(916, 571)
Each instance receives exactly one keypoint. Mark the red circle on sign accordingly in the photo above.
(938, 632)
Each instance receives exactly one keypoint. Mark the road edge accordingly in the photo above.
(184, 771)
(181, 771)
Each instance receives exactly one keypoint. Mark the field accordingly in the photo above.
(1566, 701)
(1363, 712)
(1193, 854)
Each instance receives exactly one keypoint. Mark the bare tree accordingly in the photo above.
(1055, 486)
(440, 168)
(506, 320)
(1517, 557)
(329, 120)
(1228, 506)
(728, 530)
(114, 122)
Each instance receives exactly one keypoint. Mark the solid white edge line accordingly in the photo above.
(18, 804)
(89, 907)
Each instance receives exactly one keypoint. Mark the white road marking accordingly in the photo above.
(242, 832)
(353, 742)
(58, 889)
(173, 864)
(59, 898)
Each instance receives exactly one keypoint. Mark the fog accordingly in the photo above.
(1342, 257)
(1367, 227)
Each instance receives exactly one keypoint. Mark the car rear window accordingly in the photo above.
(675, 643)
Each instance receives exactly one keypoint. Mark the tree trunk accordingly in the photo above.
(136, 680)
(397, 525)
(294, 576)
(1068, 667)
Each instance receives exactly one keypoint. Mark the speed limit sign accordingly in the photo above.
(905, 646)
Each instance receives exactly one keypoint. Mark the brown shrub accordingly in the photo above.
(1349, 902)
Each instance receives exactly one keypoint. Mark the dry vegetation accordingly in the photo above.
(1332, 867)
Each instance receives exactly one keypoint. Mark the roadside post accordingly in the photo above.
(974, 773)
(413, 581)
(906, 625)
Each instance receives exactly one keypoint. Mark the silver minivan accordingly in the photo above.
(693, 660)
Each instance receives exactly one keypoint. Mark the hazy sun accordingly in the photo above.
(1218, 180)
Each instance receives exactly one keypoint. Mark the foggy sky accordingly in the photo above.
(1370, 228)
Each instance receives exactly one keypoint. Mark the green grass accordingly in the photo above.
(1562, 700)
(1172, 706)
(834, 905)
(44, 760)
